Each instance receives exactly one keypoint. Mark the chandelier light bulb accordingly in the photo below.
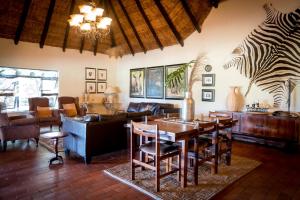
(85, 9)
(90, 17)
(85, 26)
(98, 11)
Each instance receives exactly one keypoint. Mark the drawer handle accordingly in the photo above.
(259, 125)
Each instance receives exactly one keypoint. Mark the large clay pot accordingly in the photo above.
(235, 100)
(188, 107)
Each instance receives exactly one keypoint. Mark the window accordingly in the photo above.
(17, 85)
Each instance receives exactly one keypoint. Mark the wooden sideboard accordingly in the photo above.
(264, 128)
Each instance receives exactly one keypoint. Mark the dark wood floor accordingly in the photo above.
(25, 174)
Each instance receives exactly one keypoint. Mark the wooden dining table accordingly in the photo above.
(178, 131)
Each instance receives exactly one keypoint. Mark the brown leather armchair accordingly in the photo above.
(18, 128)
(68, 100)
(54, 119)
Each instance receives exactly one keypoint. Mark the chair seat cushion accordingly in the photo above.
(164, 148)
(48, 119)
(22, 122)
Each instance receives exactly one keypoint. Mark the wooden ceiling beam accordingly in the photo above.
(22, 20)
(68, 27)
(132, 26)
(158, 42)
(82, 41)
(120, 26)
(96, 46)
(190, 14)
(111, 33)
(169, 21)
(47, 23)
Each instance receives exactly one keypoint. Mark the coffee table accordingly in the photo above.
(55, 136)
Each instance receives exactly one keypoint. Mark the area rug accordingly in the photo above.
(209, 185)
(48, 143)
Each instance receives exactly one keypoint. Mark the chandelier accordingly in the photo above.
(91, 22)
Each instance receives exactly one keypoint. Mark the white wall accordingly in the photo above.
(222, 31)
(70, 64)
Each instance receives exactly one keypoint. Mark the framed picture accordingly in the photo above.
(155, 82)
(208, 79)
(176, 92)
(90, 73)
(90, 87)
(102, 74)
(137, 83)
(101, 87)
(208, 95)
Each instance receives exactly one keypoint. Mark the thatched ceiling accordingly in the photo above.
(138, 25)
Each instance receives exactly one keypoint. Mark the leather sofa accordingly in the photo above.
(103, 134)
(155, 108)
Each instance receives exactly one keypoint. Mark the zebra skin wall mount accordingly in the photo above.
(270, 55)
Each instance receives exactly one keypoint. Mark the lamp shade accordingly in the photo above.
(111, 90)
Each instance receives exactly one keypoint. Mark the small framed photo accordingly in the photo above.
(90, 87)
(90, 73)
(208, 95)
(208, 79)
(102, 74)
(101, 87)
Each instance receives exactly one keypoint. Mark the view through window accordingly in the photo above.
(17, 85)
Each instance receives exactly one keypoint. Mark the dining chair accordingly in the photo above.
(201, 152)
(155, 150)
(225, 125)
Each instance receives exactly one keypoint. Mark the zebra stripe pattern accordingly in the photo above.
(270, 55)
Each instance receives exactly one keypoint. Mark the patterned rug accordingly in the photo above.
(209, 185)
(48, 143)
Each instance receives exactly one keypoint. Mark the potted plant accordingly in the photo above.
(174, 80)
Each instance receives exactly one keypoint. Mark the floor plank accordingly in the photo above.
(25, 174)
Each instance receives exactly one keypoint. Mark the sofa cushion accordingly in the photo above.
(70, 109)
(43, 112)
(48, 119)
(133, 107)
(153, 107)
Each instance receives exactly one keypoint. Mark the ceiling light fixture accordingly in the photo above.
(91, 22)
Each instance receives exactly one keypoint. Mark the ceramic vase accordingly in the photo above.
(235, 100)
(188, 107)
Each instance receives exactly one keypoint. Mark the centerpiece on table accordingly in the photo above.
(174, 80)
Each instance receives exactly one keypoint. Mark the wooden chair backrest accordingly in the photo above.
(218, 114)
(225, 123)
(208, 127)
(146, 130)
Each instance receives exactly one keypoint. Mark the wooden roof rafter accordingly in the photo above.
(68, 26)
(158, 42)
(121, 28)
(132, 26)
(111, 33)
(190, 14)
(169, 21)
(22, 20)
(47, 23)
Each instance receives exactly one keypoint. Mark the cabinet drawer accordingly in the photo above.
(253, 124)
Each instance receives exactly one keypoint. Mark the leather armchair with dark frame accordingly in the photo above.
(68, 100)
(18, 128)
(43, 121)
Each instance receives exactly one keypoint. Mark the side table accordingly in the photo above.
(55, 136)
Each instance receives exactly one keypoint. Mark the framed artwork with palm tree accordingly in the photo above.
(176, 88)
(137, 83)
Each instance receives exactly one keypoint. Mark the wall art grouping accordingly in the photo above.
(270, 55)
(150, 83)
(93, 74)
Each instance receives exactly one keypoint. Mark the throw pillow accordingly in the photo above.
(70, 109)
(43, 112)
